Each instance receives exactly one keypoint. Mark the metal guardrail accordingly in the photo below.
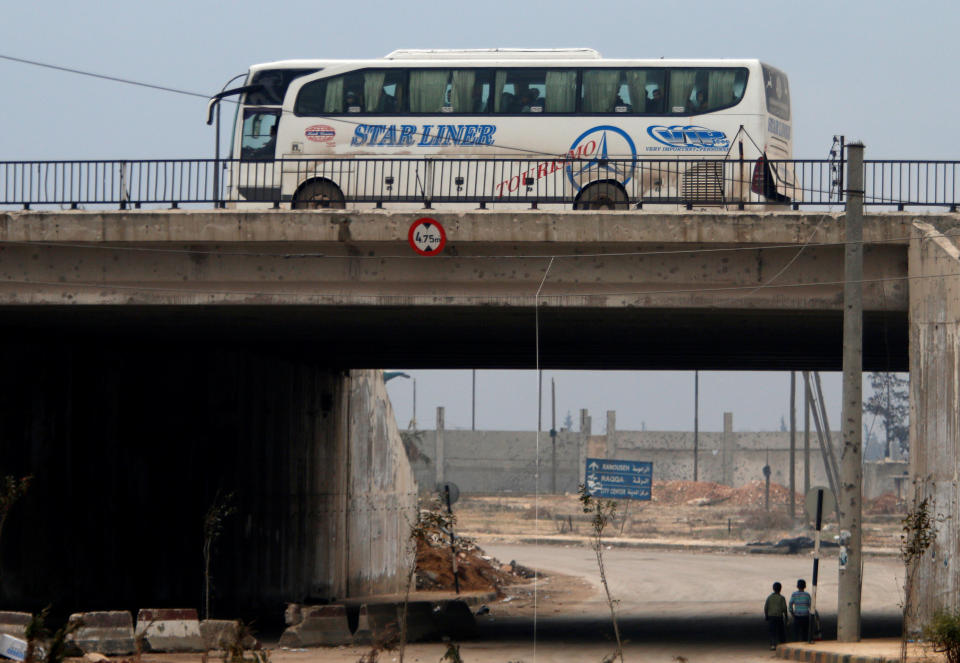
(601, 184)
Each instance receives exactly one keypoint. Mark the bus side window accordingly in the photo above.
(429, 90)
(353, 93)
(311, 98)
(525, 90)
(599, 93)
(470, 91)
(724, 87)
(259, 140)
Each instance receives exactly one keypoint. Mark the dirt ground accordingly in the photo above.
(680, 511)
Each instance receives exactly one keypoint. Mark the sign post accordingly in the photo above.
(817, 501)
(619, 479)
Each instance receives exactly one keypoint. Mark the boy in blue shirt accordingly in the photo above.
(800, 609)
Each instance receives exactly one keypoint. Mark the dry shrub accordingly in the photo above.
(761, 519)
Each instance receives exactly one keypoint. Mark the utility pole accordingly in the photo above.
(413, 416)
(806, 434)
(851, 471)
(696, 423)
(793, 444)
(553, 435)
(473, 417)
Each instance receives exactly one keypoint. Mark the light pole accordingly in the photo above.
(696, 422)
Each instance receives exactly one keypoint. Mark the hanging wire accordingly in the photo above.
(536, 498)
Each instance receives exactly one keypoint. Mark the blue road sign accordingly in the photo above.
(619, 479)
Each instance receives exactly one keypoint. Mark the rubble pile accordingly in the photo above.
(475, 570)
(753, 495)
(886, 504)
(682, 492)
(704, 493)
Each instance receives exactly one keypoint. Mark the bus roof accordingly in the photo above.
(506, 57)
(494, 54)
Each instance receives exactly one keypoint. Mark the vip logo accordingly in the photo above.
(602, 151)
(689, 137)
(320, 133)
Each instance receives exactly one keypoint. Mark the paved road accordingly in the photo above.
(675, 608)
(685, 604)
(693, 584)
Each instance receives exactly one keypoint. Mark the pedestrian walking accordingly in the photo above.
(800, 609)
(775, 612)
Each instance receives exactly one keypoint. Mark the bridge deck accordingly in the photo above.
(619, 289)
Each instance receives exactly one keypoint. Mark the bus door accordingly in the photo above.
(257, 175)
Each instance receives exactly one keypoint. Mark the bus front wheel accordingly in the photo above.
(319, 194)
(602, 195)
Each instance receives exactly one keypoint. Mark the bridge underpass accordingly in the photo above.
(159, 313)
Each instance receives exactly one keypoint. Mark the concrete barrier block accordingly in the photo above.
(421, 622)
(13, 648)
(14, 623)
(319, 625)
(455, 620)
(170, 630)
(105, 632)
(378, 622)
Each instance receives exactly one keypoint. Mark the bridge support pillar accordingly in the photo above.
(934, 268)
(131, 443)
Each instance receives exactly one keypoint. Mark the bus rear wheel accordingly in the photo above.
(319, 194)
(602, 195)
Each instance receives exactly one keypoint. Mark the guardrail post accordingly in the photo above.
(427, 182)
(124, 195)
(740, 179)
(216, 164)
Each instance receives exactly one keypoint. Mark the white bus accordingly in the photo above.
(510, 125)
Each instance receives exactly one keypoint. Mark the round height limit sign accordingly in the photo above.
(426, 236)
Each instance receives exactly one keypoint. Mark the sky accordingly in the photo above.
(881, 72)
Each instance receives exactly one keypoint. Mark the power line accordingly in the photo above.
(115, 79)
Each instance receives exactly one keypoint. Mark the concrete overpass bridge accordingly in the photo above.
(205, 352)
(619, 289)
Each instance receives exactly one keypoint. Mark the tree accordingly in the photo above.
(891, 402)
(213, 520)
(602, 513)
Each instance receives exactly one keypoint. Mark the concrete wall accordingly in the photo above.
(934, 416)
(501, 461)
(130, 441)
(498, 461)
(382, 493)
(505, 461)
(884, 476)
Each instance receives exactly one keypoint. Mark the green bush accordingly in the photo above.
(943, 632)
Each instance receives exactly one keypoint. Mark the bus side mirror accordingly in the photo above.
(215, 99)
